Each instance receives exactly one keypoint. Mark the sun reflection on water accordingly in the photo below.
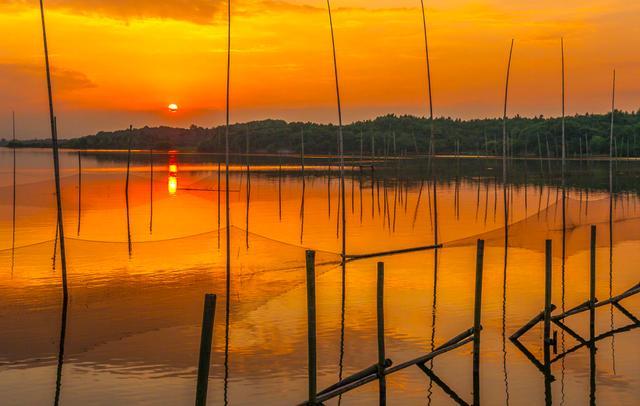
(172, 183)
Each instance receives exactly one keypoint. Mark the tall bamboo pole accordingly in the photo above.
(126, 190)
(79, 191)
(151, 187)
(504, 145)
(431, 143)
(56, 160)
(226, 155)
(340, 137)
(13, 206)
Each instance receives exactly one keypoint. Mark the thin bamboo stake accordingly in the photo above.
(504, 145)
(126, 190)
(304, 185)
(431, 141)
(79, 191)
(13, 206)
(248, 190)
(340, 136)
(151, 187)
(226, 193)
(56, 159)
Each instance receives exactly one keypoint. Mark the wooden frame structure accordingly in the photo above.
(546, 317)
(385, 366)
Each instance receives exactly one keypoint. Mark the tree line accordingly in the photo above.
(586, 134)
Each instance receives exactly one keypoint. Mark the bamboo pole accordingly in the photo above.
(381, 350)
(61, 348)
(206, 338)
(311, 325)
(340, 137)
(151, 187)
(547, 322)
(592, 284)
(248, 190)
(226, 155)
(431, 141)
(79, 191)
(56, 161)
(126, 190)
(477, 319)
(547, 293)
(304, 185)
(279, 187)
(13, 205)
(504, 146)
(564, 143)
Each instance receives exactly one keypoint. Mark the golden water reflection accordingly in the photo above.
(133, 321)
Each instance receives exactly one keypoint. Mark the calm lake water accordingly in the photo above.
(137, 278)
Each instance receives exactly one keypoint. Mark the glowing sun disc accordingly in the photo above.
(173, 107)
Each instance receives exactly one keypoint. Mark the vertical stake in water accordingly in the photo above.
(13, 206)
(79, 190)
(126, 189)
(381, 351)
(504, 147)
(151, 187)
(547, 321)
(248, 189)
(56, 161)
(592, 285)
(206, 338)
(431, 141)
(564, 156)
(477, 320)
(311, 324)
(592, 318)
(340, 138)
(226, 156)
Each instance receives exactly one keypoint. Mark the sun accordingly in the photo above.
(173, 107)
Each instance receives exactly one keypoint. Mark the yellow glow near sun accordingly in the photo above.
(173, 107)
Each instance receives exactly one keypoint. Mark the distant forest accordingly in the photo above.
(390, 134)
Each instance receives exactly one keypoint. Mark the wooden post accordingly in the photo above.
(547, 323)
(206, 338)
(547, 294)
(381, 352)
(592, 320)
(477, 327)
(311, 323)
(592, 286)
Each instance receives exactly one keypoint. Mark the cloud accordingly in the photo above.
(194, 11)
(63, 79)
(24, 85)
(197, 11)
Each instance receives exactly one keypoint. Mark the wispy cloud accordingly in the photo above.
(197, 11)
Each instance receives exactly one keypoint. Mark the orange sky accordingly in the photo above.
(121, 62)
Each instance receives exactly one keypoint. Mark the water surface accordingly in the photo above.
(137, 277)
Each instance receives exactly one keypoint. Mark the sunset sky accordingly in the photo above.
(121, 62)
